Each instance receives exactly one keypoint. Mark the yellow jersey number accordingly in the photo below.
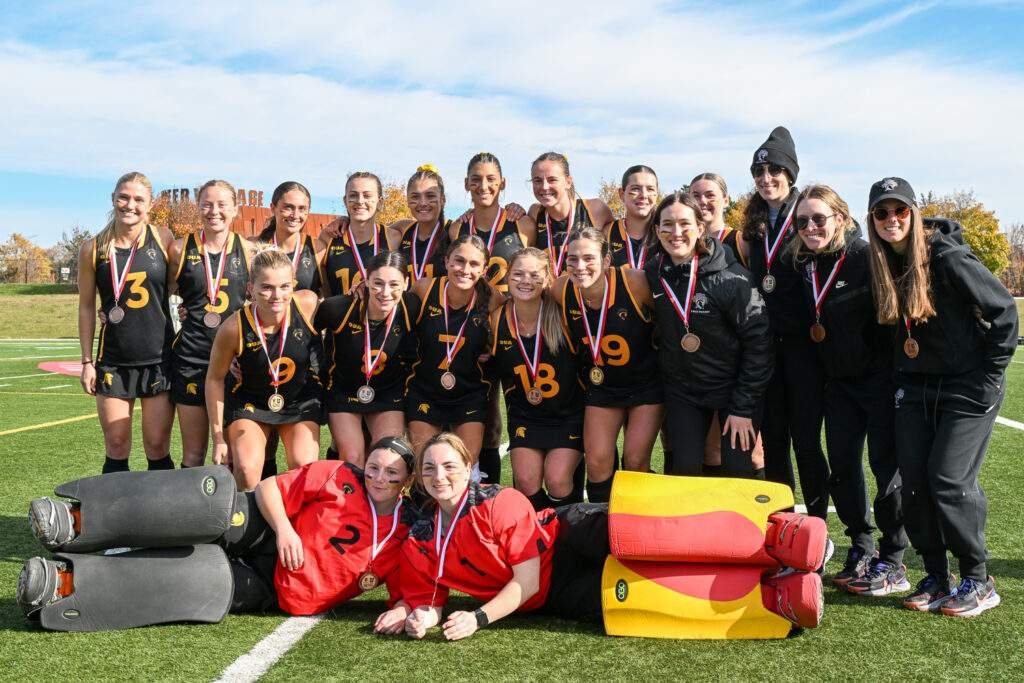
(545, 379)
(221, 304)
(614, 350)
(342, 275)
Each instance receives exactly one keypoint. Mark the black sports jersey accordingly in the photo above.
(340, 267)
(552, 234)
(786, 310)
(434, 266)
(432, 341)
(307, 269)
(195, 339)
(627, 352)
(729, 239)
(618, 239)
(342, 318)
(501, 245)
(557, 374)
(297, 362)
(143, 336)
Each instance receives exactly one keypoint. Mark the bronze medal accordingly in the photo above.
(211, 319)
(768, 283)
(368, 581)
(596, 375)
(817, 332)
(911, 348)
(448, 381)
(690, 342)
(365, 394)
(275, 402)
(115, 315)
(534, 396)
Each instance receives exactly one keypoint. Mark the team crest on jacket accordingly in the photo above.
(762, 156)
(700, 301)
(889, 184)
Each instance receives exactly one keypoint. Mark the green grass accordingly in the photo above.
(860, 638)
(15, 289)
(38, 316)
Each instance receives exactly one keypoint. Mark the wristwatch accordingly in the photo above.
(481, 617)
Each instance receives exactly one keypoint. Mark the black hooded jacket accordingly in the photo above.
(855, 344)
(975, 326)
(735, 360)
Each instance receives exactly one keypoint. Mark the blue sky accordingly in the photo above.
(259, 93)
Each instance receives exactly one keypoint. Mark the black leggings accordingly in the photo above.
(581, 549)
(688, 434)
(252, 550)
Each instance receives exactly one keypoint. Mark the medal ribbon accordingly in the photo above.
(595, 343)
(683, 311)
(551, 239)
(629, 249)
(819, 294)
(447, 344)
(417, 269)
(498, 220)
(906, 323)
(367, 350)
(118, 280)
(295, 254)
(442, 550)
(770, 252)
(213, 286)
(537, 340)
(355, 247)
(377, 547)
(275, 372)
(721, 234)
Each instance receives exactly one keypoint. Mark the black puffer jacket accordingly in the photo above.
(732, 367)
(855, 344)
(975, 326)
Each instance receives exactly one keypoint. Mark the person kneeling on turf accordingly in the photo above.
(327, 531)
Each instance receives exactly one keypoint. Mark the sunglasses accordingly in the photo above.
(881, 213)
(757, 170)
(818, 219)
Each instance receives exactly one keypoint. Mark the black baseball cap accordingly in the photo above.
(891, 188)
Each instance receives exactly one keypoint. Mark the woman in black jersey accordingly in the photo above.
(289, 206)
(559, 210)
(276, 346)
(607, 312)
(351, 243)
(126, 264)
(712, 195)
(373, 349)
(539, 371)
(504, 236)
(627, 236)
(423, 239)
(856, 355)
(211, 276)
(956, 331)
(714, 345)
(448, 387)
(793, 405)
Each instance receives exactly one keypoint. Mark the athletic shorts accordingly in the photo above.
(188, 383)
(305, 408)
(608, 397)
(545, 434)
(341, 399)
(472, 408)
(134, 381)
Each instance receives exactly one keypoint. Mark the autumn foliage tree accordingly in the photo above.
(64, 254)
(394, 206)
(734, 212)
(180, 217)
(981, 227)
(609, 192)
(21, 260)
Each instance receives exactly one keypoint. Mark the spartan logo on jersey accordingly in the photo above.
(508, 239)
(477, 320)
(236, 263)
(306, 261)
(762, 156)
(700, 301)
(298, 333)
(250, 408)
(889, 184)
(108, 378)
(424, 408)
(520, 432)
(622, 313)
(192, 388)
(151, 253)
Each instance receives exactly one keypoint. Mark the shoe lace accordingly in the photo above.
(967, 585)
(877, 569)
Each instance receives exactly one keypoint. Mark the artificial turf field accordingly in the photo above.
(860, 638)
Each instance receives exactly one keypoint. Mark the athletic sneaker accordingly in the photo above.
(830, 550)
(38, 584)
(930, 594)
(881, 578)
(971, 598)
(857, 563)
(51, 522)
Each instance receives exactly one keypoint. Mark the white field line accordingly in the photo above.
(37, 374)
(5, 385)
(1009, 423)
(257, 661)
(52, 355)
(55, 386)
(24, 340)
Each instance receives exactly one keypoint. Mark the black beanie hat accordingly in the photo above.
(778, 149)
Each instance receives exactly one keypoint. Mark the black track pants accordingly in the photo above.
(690, 424)
(578, 561)
(794, 408)
(943, 426)
(854, 409)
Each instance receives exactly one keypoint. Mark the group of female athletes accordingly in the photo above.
(734, 344)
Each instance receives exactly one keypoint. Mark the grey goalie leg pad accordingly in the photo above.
(158, 509)
(142, 587)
